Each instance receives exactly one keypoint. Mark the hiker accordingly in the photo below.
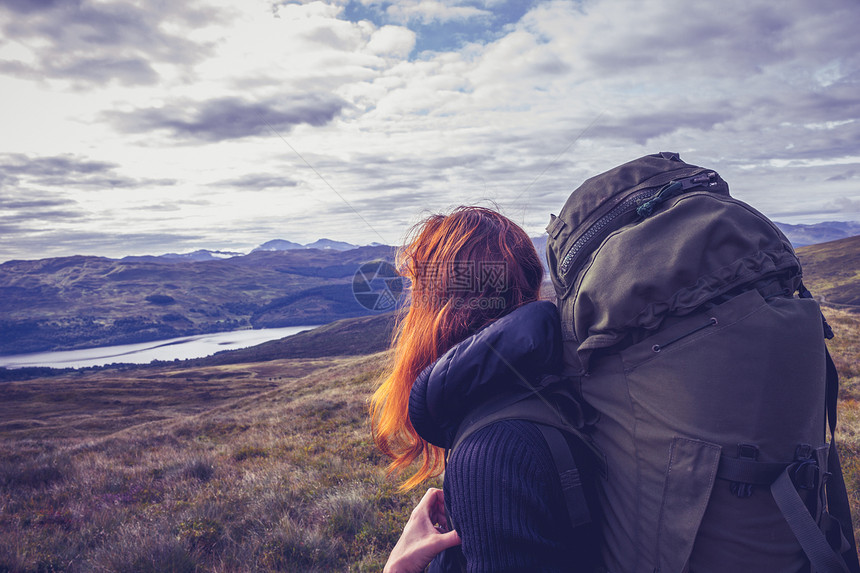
(475, 332)
(696, 360)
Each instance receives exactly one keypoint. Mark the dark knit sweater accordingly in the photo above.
(501, 486)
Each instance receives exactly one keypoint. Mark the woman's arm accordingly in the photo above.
(426, 534)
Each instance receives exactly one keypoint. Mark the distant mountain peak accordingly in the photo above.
(202, 255)
(324, 244)
(330, 244)
(278, 245)
(802, 235)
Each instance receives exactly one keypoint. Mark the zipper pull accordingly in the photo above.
(708, 179)
(645, 209)
(671, 189)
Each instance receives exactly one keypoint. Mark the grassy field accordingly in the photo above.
(262, 466)
(255, 467)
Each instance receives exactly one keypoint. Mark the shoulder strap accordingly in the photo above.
(813, 541)
(571, 480)
(551, 423)
(533, 408)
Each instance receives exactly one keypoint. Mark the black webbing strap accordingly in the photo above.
(822, 557)
(533, 408)
(749, 471)
(837, 495)
(552, 423)
(571, 481)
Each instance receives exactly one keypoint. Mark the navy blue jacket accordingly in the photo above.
(501, 486)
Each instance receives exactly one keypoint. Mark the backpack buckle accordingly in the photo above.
(745, 452)
(803, 452)
(805, 474)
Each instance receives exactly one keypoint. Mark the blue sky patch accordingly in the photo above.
(436, 35)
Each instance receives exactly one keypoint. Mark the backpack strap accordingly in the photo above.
(822, 557)
(533, 408)
(837, 495)
(571, 481)
(551, 423)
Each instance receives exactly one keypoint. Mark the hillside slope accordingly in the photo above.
(80, 302)
(347, 337)
(832, 271)
(255, 467)
(274, 471)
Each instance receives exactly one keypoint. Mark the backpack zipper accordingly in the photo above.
(601, 223)
(632, 203)
(711, 322)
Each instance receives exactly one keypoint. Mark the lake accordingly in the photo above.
(182, 348)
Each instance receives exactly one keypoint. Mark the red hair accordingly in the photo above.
(467, 269)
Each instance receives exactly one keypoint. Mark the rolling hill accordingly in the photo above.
(347, 337)
(832, 271)
(79, 302)
(802, 235)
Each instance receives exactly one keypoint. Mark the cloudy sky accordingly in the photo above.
(153, 126)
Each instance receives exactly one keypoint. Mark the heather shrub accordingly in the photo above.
(42, 471)
(199, 469)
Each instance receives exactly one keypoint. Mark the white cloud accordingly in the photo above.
(392, 41)
(769, 97)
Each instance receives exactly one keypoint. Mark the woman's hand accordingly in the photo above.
(426, 534)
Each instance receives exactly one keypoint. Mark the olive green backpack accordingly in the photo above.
(687, 328)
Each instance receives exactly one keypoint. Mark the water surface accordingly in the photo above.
(182, 348)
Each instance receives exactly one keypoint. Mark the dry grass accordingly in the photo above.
(279, 479)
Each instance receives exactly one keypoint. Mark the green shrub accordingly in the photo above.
(200, 532)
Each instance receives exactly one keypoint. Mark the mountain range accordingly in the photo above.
(803, 235)
(799, 235)
(84, 301)
(274, 245)
(81, 302)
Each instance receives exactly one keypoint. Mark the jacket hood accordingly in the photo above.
(509, 356)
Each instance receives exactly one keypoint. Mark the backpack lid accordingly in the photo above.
(700, 247)
(615, 270)
(609, 200)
